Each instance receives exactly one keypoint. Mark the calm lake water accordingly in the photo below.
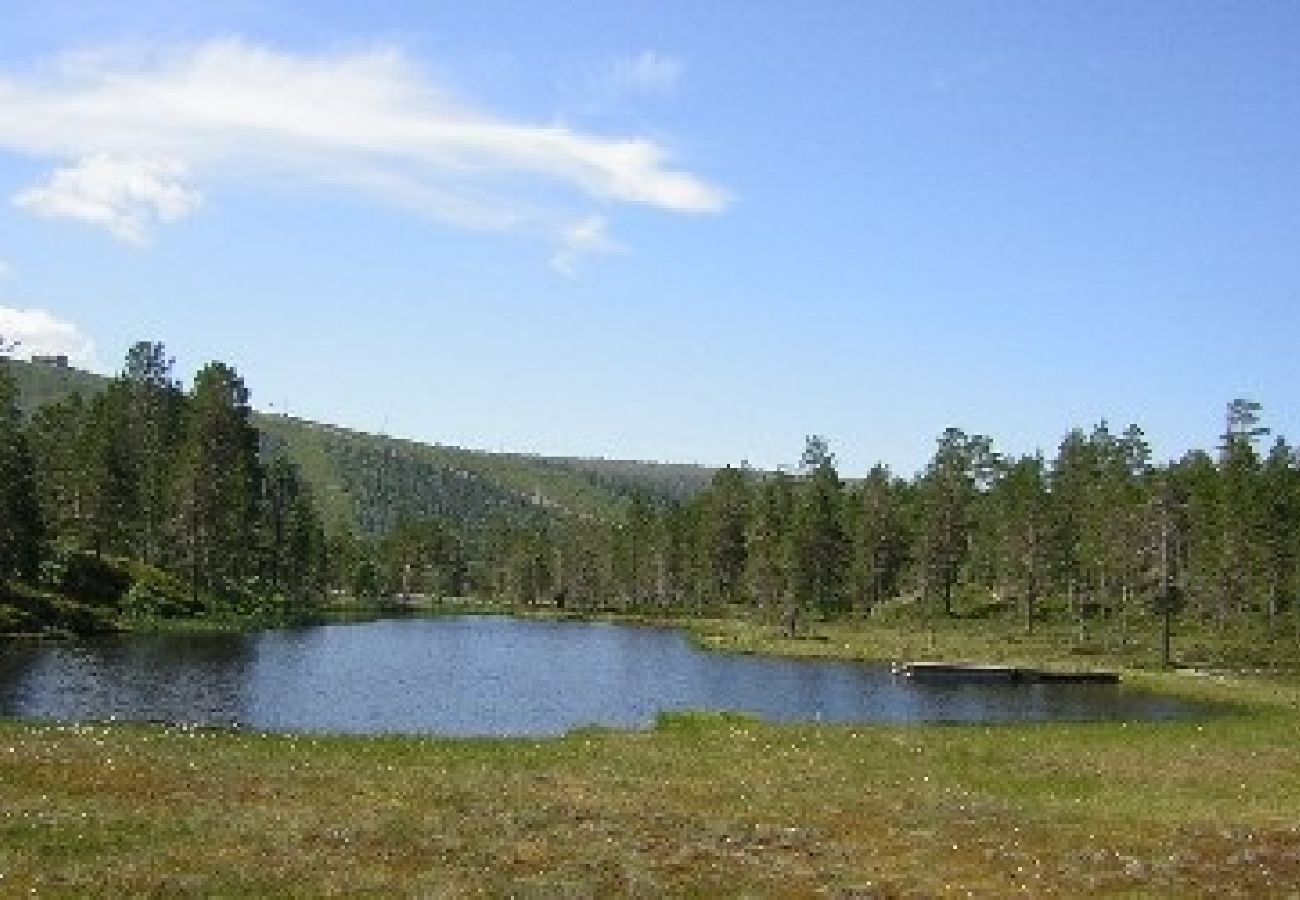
(488, 675)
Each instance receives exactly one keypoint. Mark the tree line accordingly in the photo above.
(155, 498)
(172, 503)
(1096, 531)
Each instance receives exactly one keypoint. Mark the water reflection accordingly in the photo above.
(495, 676)
(166, 678)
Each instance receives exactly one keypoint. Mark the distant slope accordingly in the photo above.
(672, 481)
(367, 482)
(371, 481)
(41, 383)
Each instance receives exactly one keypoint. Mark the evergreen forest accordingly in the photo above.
(135, 501)
(142, 502)
(1098, 538)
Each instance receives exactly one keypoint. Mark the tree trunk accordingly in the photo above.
(791, 618)
(1123, 616)
(1166, 627)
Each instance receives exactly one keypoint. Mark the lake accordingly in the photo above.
(494, 675)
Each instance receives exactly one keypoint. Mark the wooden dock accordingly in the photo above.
(971, 672)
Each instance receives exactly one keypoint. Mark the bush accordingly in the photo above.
(13, 620)
(86, 578)
(26, 610)
(155, 594)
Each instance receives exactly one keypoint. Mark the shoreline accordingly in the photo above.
(1235, 692)
(700, 804)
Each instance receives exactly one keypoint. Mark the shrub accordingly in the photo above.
(26, 610)
(86, 578)
(157, 594)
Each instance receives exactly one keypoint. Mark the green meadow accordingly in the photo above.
(701, 805)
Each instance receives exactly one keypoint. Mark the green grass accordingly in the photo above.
(1054, 644)
(702, 805)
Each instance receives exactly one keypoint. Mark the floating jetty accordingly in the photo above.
(937, 671)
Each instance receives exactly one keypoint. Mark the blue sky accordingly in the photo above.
(672, 230)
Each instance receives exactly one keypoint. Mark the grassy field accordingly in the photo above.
(1058, 644)
(703, 805)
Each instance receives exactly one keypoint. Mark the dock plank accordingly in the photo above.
(941, 671)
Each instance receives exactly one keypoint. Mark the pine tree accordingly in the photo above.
(1280, 538)
(532, 576)
(767, 559)
(1072, 481)
(305, 561)
(217, 482)
(878, 532)
(20, 522)
(635, 551)
(723, 532)
(1125, 501)
(424, 557)
(677, 539)
(947, 493)
(293, 539)
(1169, 558)
(62, 482)
(1194, 482)
(1239, 511)
(1098, 516)
(1021, 503)
(110, 482)
(153, 406)
(820, 547)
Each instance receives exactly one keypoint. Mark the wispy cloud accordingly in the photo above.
(134, 135)
(38, 332)
(614, 84)
(582, 238)
(650, 72)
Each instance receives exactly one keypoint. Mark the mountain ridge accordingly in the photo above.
(366, 482)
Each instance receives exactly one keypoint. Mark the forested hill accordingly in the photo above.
(41, 383)
(674, 481)
(366, 482)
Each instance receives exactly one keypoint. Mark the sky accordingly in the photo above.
(682, 231)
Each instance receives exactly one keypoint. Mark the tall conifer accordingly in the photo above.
(20, 523)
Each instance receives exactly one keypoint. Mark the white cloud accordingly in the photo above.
(582, 238)
(139, 130)
(40, 333)
(126, 196)
(609, 87)
(651, 73)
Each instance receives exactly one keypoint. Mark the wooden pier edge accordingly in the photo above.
(974, 672)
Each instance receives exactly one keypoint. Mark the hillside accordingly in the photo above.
(371, 481)
(673, 481)
(367, 482)
(39, 384)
